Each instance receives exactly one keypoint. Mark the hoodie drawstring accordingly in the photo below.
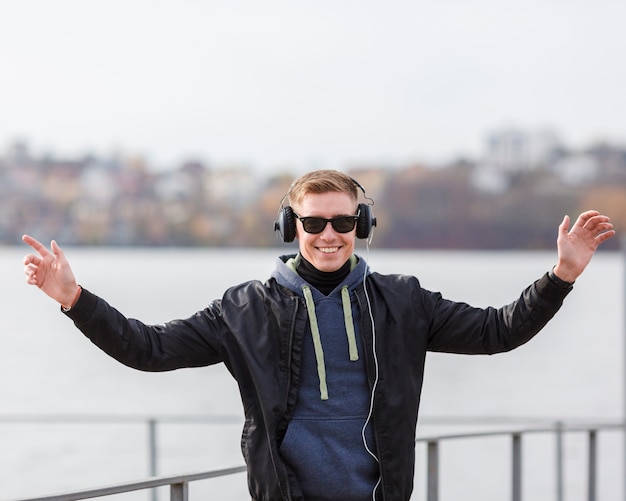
(347, 318)
(317, 340)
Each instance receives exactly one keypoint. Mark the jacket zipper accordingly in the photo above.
(292, 327)
(365, 313)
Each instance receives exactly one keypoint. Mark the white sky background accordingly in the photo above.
(303, 84)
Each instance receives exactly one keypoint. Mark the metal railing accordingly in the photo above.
(179, 484)
(151, 422)
(433, 455)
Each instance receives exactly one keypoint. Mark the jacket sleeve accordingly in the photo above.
(460, 328)
(192, 342)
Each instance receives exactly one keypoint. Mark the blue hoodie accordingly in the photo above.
(323, 444)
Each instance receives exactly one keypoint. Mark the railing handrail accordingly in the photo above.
(138, 485)
(557, 426)
(428, 419)
(179, 483)
(60, 418)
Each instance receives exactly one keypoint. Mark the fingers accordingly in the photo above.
(35, 244)
(30, 270)
(601, 227)
(31, 274)
(592, 220)
(585, 217)
(588, 214)
(564, 226)
(602, 237)
(56, 250)
(598, 226)
(33, 262)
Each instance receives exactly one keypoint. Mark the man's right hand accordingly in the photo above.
(49, 270)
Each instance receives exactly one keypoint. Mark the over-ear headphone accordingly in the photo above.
(286, 221)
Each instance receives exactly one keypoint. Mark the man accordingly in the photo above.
(328, 356)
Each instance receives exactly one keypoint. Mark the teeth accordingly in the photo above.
(329, 250)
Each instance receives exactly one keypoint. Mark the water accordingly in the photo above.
(573, 369)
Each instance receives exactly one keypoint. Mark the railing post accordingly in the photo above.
(152, 440)
(433, 471)
(624, 357)
(516, 462)
(593, 451)
(559, 461)
(179, 492)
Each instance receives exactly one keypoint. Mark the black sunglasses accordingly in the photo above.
(341, 224)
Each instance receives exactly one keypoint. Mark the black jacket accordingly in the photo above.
(257, 330)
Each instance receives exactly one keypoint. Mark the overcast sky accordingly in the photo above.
(316, 83)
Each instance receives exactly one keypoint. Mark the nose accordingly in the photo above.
(328, 231)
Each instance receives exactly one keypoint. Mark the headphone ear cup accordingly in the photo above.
(365, 222)
(286, 224)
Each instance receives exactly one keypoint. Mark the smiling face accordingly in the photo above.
(328, 250)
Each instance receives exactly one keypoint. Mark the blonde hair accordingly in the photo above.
(321, 181)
